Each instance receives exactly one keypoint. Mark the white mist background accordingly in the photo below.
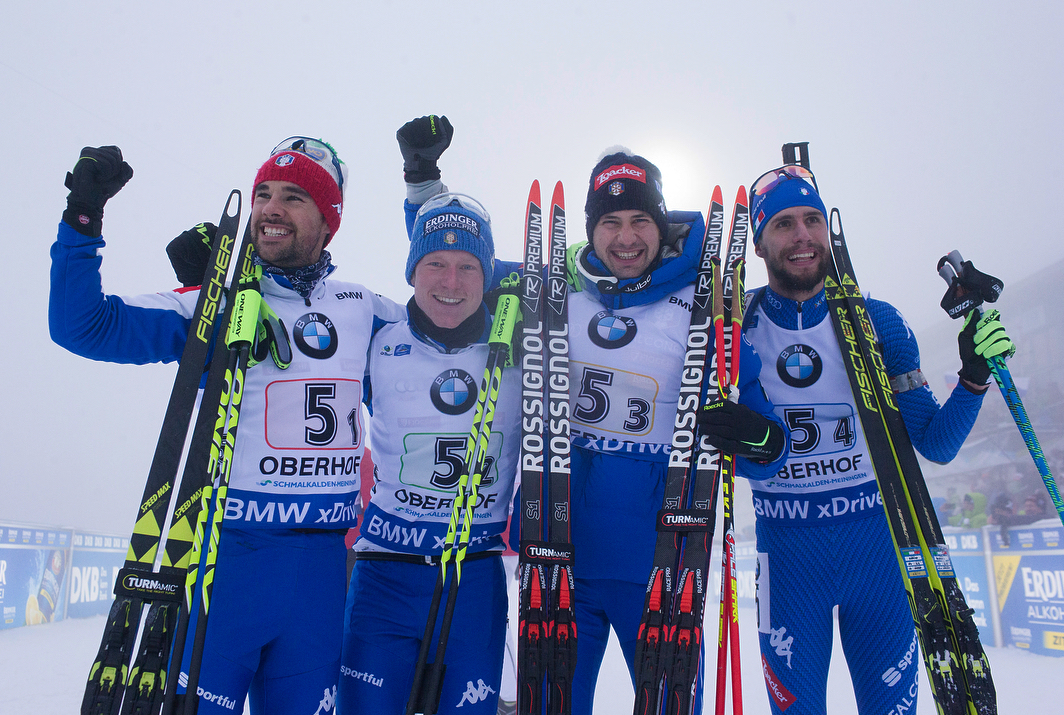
(931, 126)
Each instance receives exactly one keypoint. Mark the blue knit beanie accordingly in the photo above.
(451, 225)
(787, 194)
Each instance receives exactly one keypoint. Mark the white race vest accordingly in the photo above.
(624, 373)
(828, 475)
(423, 403)
(301, 438)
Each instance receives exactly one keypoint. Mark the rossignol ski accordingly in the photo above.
(669, 644)
(547, 627)
(141, 581)
(428, 677)
(965, 294)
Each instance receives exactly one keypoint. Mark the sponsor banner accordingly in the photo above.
(1028, 564)
(96, 561)
(34, 574)
(967, 552)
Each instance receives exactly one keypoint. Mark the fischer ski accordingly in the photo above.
(669, 645)
(547, 627)
(140, 581)
(428, 677)
(224, 390)
(966, 294)
(957, 667)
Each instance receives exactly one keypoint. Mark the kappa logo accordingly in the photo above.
(315, 336)
(799, 365)
(328, 702)
(781, 645)
(611, 331)
(453, 392)
(475, 693)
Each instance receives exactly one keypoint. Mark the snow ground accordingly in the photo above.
(43, 670)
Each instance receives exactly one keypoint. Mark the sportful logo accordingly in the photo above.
(622, 171)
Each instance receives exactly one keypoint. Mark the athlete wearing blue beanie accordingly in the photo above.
(823, 506)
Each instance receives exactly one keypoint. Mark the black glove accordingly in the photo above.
(99, 174)
(422, 141)
(738, 430)
(191, 252)
(982, 338)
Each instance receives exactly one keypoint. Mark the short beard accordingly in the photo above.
(794, 284)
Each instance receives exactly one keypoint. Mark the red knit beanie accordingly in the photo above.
(312, 177)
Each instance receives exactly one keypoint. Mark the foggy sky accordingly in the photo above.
(931, 127)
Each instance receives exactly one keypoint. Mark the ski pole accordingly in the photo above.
(428, 677)
(953, 270)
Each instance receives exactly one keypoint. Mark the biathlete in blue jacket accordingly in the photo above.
(424, 379)
(629, 315)
(294, 485)
(822, 535)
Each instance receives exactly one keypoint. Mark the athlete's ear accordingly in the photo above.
(758, 250)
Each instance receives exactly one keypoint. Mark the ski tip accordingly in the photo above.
(533, 191)
(559, 196)
(740, 196)
(718, 195)
(232, 204)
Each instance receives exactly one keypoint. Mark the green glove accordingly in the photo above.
(981, 339)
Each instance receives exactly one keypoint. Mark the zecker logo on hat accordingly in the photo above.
(624, 171)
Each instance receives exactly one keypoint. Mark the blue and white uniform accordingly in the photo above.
(422, 401)
(822, 536)
(294, 484)
(626, 357)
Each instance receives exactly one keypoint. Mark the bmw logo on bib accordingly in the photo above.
(611, 331)
(799, 365)
(315, 336)
(453, 392)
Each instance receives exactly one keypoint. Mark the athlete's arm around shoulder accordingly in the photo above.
(937, 432)
(132, 330)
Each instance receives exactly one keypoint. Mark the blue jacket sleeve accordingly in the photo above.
(752, 394)
(937, 432)
(138, 330)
